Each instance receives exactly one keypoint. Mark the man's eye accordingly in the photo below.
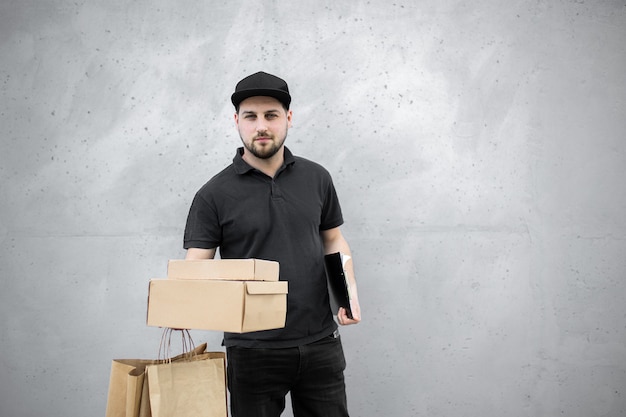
(250, 117)
(270, 116)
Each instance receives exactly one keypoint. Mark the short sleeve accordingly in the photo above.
(331, 209)
(202, 229)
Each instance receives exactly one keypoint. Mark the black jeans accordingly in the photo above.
(259, 380)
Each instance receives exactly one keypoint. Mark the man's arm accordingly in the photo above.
(335, 242)
(197, 253)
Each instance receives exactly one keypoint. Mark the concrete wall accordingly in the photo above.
(478, 147)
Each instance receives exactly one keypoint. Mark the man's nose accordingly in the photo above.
(261, 125)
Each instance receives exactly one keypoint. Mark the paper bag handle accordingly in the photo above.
(165, 346)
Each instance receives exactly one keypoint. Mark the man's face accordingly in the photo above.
(263, 123)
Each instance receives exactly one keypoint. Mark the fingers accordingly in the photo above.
(344, 320)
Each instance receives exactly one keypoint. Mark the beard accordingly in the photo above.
(267, 151)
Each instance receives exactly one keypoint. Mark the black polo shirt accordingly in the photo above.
(247, 214)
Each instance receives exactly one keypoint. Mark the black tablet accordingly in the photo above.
(337, 283)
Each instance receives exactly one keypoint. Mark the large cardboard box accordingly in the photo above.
(224, 269)
(230, 306)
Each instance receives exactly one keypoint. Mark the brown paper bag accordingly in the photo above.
(144, 405)
(127, 384)
(195, 388)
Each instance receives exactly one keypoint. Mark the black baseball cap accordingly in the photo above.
(261, 84)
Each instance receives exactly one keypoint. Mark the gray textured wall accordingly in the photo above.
(478, 148)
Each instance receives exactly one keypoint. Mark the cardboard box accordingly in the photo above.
(230, 306)
(224, 269)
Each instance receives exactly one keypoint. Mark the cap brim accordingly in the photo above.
(279, 95)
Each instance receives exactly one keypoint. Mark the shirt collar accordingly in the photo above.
(242, 167)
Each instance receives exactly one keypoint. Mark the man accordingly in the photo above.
(270, 204)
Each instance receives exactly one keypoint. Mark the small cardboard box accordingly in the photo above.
(224, 269)
(230, 306)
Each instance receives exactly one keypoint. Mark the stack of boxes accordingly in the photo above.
(231, 295)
